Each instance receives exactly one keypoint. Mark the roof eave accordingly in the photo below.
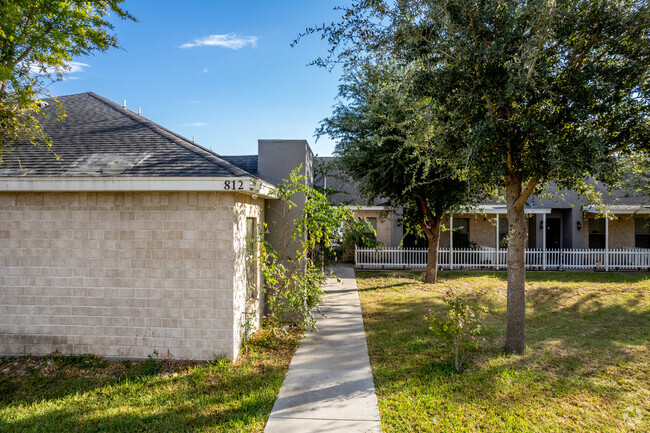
(502, 210)
(618, 209)
(248, 185)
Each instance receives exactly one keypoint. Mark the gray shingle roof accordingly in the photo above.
(100, 138)
(345, 190)
(247, 163)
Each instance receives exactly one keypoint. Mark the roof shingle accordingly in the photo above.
(99, 138)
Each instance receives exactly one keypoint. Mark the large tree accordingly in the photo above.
(380, 133)
(533, 90)
(38, 39)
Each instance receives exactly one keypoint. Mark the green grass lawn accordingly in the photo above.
(587, 359)
(88, 394)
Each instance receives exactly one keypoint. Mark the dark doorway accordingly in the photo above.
(553, 233)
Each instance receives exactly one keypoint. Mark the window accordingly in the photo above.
(251, 258)
(369, 237)
(503, 233)
(461, 233)
(597, 234)
(642, 233)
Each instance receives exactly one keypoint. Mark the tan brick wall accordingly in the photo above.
(482, 232)
(384, 232)
(118, 274)
(621, 232)
(383, 225)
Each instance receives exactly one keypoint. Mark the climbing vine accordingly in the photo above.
(293, 279)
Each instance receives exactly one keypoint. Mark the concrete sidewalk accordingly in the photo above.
(329, 386)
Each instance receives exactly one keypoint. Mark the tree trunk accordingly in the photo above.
(518, 230)
(433, 237)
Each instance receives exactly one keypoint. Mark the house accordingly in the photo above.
(134, 242)
(564, 222)
(342, 190)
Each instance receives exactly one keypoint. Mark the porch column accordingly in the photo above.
(606, 241)
(451, 242)
(544, 241)
(496, 262)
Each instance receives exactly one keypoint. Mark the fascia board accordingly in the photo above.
(242, 185)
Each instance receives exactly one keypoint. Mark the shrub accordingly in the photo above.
(460, 323)
(292, 280)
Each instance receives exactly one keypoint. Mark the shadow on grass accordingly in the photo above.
(192, 410)
(69, 377)
(397, 286)
(197, 401)
(608, 326)
(415, 277)
(214, 396)
(570, 337)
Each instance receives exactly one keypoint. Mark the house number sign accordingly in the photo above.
(233, 185)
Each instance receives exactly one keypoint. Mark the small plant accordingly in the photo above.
(149, 367)
(459, 324)
(248, 326)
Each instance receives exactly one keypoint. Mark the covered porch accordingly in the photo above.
(558, 239)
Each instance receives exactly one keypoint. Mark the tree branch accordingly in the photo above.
(532, 66)
(490, 107)
(526, 193)
(423, 207)
(617, 149)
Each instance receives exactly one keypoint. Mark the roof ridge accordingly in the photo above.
(177, 139)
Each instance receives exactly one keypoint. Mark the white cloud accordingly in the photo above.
(76, 67)
(72, 68)
(204, 71)
(230, 40)
(196, 124)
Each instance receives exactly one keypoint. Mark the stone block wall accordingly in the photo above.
(118, 274)
(245, 207)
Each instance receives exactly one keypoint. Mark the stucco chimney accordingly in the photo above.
(276, 159)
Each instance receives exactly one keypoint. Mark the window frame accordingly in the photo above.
(597, 239)
(503, 235)
(251, 265)
(461, 239)
(642, 233)
(369, 238)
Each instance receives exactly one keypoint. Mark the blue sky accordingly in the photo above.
(222, 71)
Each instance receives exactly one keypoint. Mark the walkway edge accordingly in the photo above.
(329, 385)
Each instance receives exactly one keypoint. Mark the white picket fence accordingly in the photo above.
(490, 258)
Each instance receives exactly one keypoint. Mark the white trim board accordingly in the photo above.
(502, 210)
(242, 185)
(369, 207)
(619, 209)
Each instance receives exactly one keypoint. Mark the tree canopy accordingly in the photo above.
(38, 39)
(380, 135)
(532, 91)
